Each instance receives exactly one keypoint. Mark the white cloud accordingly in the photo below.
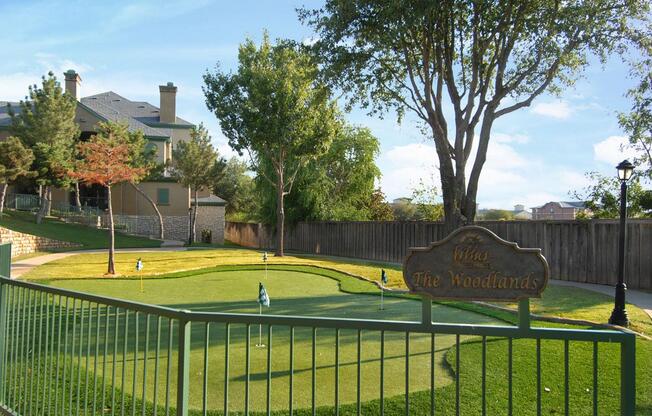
(555, 109)
(613, 150)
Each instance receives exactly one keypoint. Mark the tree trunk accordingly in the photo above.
(161, 233)
(77, 197)
(48, 201)
(193, 218)
(280, 214)
(44, 208)
(111, 266)
(3, 193)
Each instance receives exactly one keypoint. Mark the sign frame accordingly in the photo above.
(508, 244)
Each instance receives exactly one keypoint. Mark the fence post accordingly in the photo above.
(3, 340)
(183, 371)
(628, 375)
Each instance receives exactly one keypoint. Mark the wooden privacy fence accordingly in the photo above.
(580, 251)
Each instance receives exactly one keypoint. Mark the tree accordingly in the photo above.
(487, 59)
(379, 209)
(404, 209)
(106, 160)
(273, 109)
(46, 124)
(237, 188)
(15, 162)
(333, 187)
(602, 197)
(638, 122)
(197, 165)
(426, 198)
(497, 215)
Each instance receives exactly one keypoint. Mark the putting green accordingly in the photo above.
(291, 293)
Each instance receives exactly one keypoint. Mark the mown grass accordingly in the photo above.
(87, 237)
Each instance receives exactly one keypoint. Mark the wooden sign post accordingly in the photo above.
(473, 263)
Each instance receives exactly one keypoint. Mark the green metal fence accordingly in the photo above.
(70, 353)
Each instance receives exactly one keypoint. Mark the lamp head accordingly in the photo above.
(625, 170)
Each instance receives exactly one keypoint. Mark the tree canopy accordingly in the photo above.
(274, 109)
(478, 61)
(46, 124)
(15, 162)
(336, 186)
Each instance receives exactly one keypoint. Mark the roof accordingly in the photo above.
(109, 106)
(566, 204)
(212, 200)
(138, 115)
(5, 120)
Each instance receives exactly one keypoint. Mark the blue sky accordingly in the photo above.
(537, 154)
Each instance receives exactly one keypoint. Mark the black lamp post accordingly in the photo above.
(619, 314)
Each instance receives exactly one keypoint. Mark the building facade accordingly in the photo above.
(562, 210)
(163, 130)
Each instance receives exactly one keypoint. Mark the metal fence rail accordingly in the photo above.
(65, 352)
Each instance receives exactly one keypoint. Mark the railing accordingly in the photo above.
(66, 352)
(22, 202)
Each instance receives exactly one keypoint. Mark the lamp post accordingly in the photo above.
(619, 314)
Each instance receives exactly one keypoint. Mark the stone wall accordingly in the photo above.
(211, 218)
(175, 227)
(27, 243)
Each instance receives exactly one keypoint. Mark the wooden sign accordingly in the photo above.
(473, 263)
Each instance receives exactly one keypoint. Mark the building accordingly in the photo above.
(562, 210)
(520, 213)
(164, 130)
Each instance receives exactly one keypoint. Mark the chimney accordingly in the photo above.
(73, 80)
(168, 108)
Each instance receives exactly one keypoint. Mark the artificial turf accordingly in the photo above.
(293, 292)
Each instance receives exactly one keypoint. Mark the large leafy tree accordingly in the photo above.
(106, 160)
(274, 109)
(197, 165)
(461, 65)
(15, 162)
(46, 124)
(336, 186)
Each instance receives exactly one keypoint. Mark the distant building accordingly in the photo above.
(520, 213)
(562, 210)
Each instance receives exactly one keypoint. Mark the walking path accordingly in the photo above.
(637, 297)
(21, 267)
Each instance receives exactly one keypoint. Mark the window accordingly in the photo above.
(163, 196)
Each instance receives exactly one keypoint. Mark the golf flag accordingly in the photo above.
(383, 276)
(263, 299)
(265, 256)
(139, 265)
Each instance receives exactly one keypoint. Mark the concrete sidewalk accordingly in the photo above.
(21, 267)
(637, 297)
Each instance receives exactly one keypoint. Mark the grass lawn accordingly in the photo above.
(567, 302)
(294, 291)
(89, 238)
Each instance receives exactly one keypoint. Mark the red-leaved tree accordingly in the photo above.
(106, 160)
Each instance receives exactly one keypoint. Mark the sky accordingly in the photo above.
(536, 155)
